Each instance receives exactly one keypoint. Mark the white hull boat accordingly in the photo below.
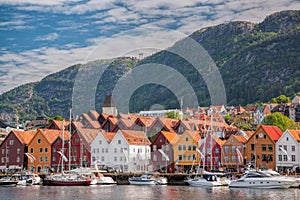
(261, 180)
(144, 179)
(209, 180)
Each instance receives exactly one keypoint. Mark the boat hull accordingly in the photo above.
(142, 182)
(66, 183)
(263, 184)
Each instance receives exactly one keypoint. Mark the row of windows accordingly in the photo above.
(264, 157)
(4, 160)
(8, 151)
(186, 147)
(264, 147)
(233, 148)
(188, 157)
(286, 158)
(285, 147)
(41, 150)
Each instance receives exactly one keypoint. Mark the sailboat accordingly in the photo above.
(65, 179)
(208, 179)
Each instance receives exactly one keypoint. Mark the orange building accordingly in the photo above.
(40, 147)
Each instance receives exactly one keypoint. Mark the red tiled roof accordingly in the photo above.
(273, 131)
(240, 138)
(51, 135)
(172, 137)
(108, 135)
(93, 114)
(295, 134)
(93, 123)
(135, 137)
(88, 134)
(24, 136)
(59, 124)
(218, 140)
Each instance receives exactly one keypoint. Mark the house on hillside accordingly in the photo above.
(296, 100)
(261, 146)
(162, 151)
(13, 150)
(288, 151)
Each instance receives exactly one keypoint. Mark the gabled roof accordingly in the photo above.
(195, 135)
(218, 140)
(240, 138)
(295, 134)
(172, 137)
(127, 122)
(88, 134)
(24, 136)
(108, 135)
(93, 114)
(135, 137)
(273, 131)
(51, 135)
(59, 124)
(93, 123)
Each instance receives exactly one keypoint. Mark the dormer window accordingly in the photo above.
(287, 138)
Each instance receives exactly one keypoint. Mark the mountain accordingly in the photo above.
(256, 61)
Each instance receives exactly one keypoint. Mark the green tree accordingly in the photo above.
(280, 99)
(58, 117)
(172, 114)
(281, 121)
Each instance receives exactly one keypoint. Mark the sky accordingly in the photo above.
(40, 37)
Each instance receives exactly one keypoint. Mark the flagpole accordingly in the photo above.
(62, 147)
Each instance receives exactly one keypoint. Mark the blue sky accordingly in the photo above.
(40, 37)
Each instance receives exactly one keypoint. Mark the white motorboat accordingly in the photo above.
(104, 180)
(209, 180)
(145, 179)
(277, 175)
(161, 180)
(259, 179)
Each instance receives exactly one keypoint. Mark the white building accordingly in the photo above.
(126, 150)
(288, 151)
(296, 100)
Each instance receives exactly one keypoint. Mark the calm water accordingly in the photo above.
(143, 192)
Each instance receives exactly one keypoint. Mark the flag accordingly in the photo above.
(285, 152)
(201, 154)
(126, 155)
(164, 155)
(240, 156)
(63, 156)
(200, 142)
(30, 157)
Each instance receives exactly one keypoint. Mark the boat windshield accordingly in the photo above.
(256, 175)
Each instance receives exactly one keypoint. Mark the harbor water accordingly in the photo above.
(115, 192)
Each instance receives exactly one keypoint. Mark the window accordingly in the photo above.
(98, 150)
(252, 147)
(54, 149)
(41, 159)
(184, 157)
(39, 141)
(53, 158)
(121, 158)
(216, 159)
(194, 147)
(270, 158)
(116, 150)
(280, 157)
(189, 157)
(102, 150)
(31, 150)
(154, 147)
(116, 158)
(285, 147)
(287, 138)
(293, 158)
(18, 159)
(233, 149)
(284, 157)
(264, 147)
(208, 159)
(252, 157)
(41, 150)
(46, 149)
(270, 147)
(226, 159)
(75, 149)
(194, 156)
(167, 147)
(106, 150)
(154, 158)
(11, 142)
(280, 146)
(179, 147)
(100, 141)
(217, 150)
(18, 150)
(3, 151)
(102, 158)
(46, 158)
(264, 157)
(94, 150)
(186, 139)
(226, 149)
(189, 147)
(84, 158)
(293, 148)
(119, 141)
(184, 147)
(233, 158)
(179, 157)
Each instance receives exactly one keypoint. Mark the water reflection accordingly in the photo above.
(144, 192)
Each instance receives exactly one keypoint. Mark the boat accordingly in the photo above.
(8, 181)
(161, 180)
(104, 180)
(27, 178)
(144, 179)
(277, 175)
(67, 180)
(259, 179)
(209, 179)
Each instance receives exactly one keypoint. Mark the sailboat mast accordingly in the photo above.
(70, 127)
(62, 146)
(211, 149)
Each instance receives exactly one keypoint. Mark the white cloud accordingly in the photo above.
(48, 37)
